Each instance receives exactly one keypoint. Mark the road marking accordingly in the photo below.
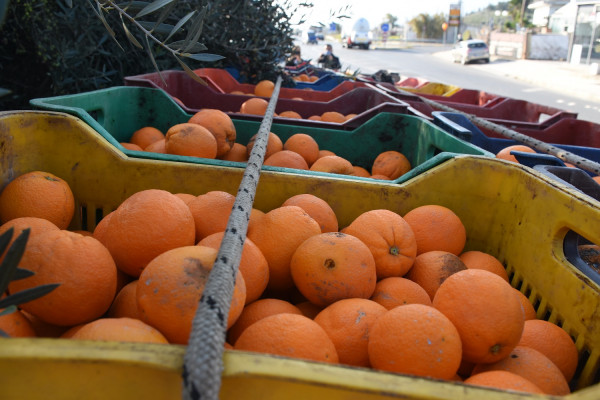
(531, 90)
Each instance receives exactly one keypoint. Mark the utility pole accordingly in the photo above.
(523, 7)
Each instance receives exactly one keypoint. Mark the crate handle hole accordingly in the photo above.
(583, 254)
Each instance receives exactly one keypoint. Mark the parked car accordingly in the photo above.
(471, 50)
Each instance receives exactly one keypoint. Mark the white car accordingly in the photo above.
(471, 50)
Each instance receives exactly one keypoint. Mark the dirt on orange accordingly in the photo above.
(392, 164)
(191, 140)
(87, 287)
(274, 144)
(264, 88)
(333, 266)
(125, 303)
(333, 165)
(486, 312)
(38, 194)
(157, 147)
(254, 106)
(480, 260)
(256, 311)
(397, 291)
(317, 208)
(333, 116)
(437, 228)
(119, 330)
(504, 154)
(348, 322)
(219, 124)
(415, 339)
(145, 136)
(288, 335)
(16, 324)
(170, 288)
(503, 380)
(431, 269)
(237, 153)
(305, 145)
(390, 239)
(287, 159)
(211, 212)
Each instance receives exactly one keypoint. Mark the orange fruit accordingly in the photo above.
(304, 145)
(332, 266)
(186, 197)
(503, 380)
(131, 146)
(44, 329)
(389, 238)
(254, 106)
(157, 147)
(38, 194)
(34, 224)
(313, 78)
(147, 224)
(170, 288)
(191, 140)
(333, 165)
(380, 177)
(333, 116)
(303, 77)
(236, 92)
(392, 164)
(145, 136)
(256, 311)
(431, 269)
(290, 114)
(397, 291)
(286, 159)
(533, 366)
(278, 234)
(119, 330)
(264, 88)
(360, 171)
(437, 228)
(481, 260)
(255, 216)
(253, 265)
(87, 287)
(15, 324)
(486, 312)
(274, 144)
(317, 208)
(125, 303)
(219, 124)
(527, 306)
(309, 309)
(504, 154)
(100, 230)
(324, 153)
(415, 339)
(553, 342)
(211, 212)
(237, 153)
(314, 118)
(348, 322)
(288, 335)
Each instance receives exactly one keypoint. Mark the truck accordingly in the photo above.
(357, 34)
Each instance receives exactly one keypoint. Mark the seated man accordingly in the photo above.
(328, 60)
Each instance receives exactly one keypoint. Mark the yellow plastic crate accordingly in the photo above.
(510, 211)
(435, 88)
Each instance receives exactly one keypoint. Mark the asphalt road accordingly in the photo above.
(419, 61)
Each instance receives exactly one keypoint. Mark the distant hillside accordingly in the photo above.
(487, 16)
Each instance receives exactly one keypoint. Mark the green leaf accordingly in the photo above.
(12, 258)
(154, 61)
(179, 25)
(28, 295)
(8, 310)
(196, 25)
(198, 31)
(163, 15)
(130, 36)
(191, 73)
(155, 5)
(180, 44)
(161, 29)
(5, 239)
(22, 273)
(203, 56)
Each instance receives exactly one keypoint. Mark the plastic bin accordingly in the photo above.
(512, 212)
(118, 112)
(434, 88)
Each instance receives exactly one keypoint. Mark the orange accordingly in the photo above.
(120, 330)
(333, 165)
(264, 88)
(348, 322)
(145, 136)
(186, 197)
(253, 265)
(131, 146)
(324, 153)
(236, 92)
(317, 208)
(237, 153)
(290, 114)
(533, 366)
(553, 342)
(503, 380)
(278, 234)
(38, 194)
(157, 147)
(431, 269)
(16, 324)
(332, 266)
(288, 335)
(313, 78)
(170, 288)
(211, 212)
(527, 306)
(34, 224)
(333, 116)
(360, 171)
(304, 145)
(255, 215)
(44, 329)
(274, 144)
(392, 164)
(504, 154)
(314, 118)
(437, 228)
(254, 106)
(87, 287)
(380, 177)
(303, 77)
(82, 232)
(309, 309)
(100, 230)
(125, 303)
(397, 291)
(256, 311)
(219, 124)
(481, 260)
(389, 238)
(415, 339)
(486, 312)
(147, 224)
(286, 159)
(190, 140)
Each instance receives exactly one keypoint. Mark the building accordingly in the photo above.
(543, 10)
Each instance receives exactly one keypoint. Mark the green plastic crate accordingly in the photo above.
(118, 112)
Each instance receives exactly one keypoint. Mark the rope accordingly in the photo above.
(203, 360)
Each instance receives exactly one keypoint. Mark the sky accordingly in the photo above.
(375, 10)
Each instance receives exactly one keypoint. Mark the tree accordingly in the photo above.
(427, 26)
(391, 19)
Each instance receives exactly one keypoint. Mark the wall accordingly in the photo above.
(548, 47)
(511, 45)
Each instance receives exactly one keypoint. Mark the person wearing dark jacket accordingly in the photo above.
(295, 58)
(328, 59)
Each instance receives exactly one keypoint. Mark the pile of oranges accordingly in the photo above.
(388, 292)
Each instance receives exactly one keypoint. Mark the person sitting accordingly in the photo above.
(328, 59)
(295, 58)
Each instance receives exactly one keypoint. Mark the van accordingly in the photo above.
(358, 34)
